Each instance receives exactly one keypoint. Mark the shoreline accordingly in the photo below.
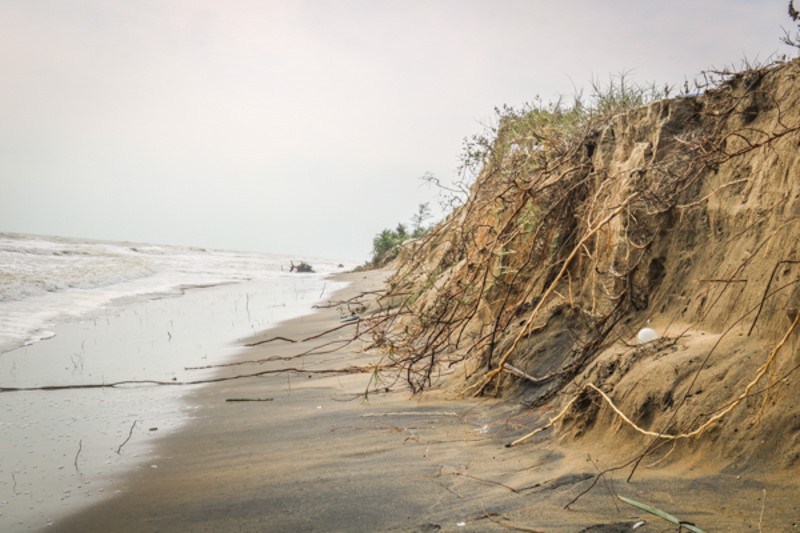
(311, 456)
(252, 466)
(61, 449)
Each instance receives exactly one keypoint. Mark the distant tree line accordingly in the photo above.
(387, 243)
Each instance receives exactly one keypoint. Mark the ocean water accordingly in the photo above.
(85, 313)
(46, 281)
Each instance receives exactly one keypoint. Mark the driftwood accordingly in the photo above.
(301, 267)
(124, 383)
(249, 399)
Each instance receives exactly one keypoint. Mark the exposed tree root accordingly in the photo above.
(668, 436)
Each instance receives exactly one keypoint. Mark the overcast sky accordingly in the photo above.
(301, 127)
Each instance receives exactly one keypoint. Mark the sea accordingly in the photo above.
(75, 314)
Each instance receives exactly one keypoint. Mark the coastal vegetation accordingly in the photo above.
(590, 220)
(386, 244)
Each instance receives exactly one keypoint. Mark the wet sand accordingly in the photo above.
(311, 456)
(60, 450)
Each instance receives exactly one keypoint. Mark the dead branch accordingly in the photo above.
(129, 383)
(249, 399)
(130, 434)
(77, 454)
(309, 338)
(478, 387)
(319, 349)
(519, 373)
(553, 421)
(487, 481)
(766, 291)
(508, 525)
(358, 299)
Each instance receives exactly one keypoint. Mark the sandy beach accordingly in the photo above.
(579, 310)
(311, 455)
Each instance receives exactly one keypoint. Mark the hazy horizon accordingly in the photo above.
(302, 127)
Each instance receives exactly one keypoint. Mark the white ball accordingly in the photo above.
(646, 335)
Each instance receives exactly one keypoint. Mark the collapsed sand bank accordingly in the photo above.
(311, 456)
(682, 215)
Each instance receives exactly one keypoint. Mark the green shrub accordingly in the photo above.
(386, 244)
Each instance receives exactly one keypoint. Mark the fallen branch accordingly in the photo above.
(766, 291)
(249, 399)
(311, 351)
(411, 413)
(519, 373)
(80, 447)
(118, 384)
(130, 433)
(487, 481)
(311, 338)
(508, 525)
(547, 426)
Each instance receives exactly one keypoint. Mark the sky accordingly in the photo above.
(302, 127)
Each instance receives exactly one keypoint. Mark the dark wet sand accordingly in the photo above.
(312, 458)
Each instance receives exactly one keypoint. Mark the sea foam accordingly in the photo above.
(45, 281)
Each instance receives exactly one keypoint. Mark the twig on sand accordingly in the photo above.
(294, 341)
(766, 291)
(249, 399)
(328, 347)
(117, 384)
(130, 433)
(489, 481)
(550, 424)
(605, 481)
(508, 525)
(411, 413)
(763, 505)
(80, 447)
(362, 395)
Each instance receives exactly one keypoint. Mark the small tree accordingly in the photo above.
(788, 38)
(386, 244)
(383, 244)
(418, 228)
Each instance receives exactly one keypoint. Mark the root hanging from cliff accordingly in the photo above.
(768, 364)
(583, 227)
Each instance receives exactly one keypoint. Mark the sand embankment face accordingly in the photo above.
(683, 216)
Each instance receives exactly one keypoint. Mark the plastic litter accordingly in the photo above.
(646, 335)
